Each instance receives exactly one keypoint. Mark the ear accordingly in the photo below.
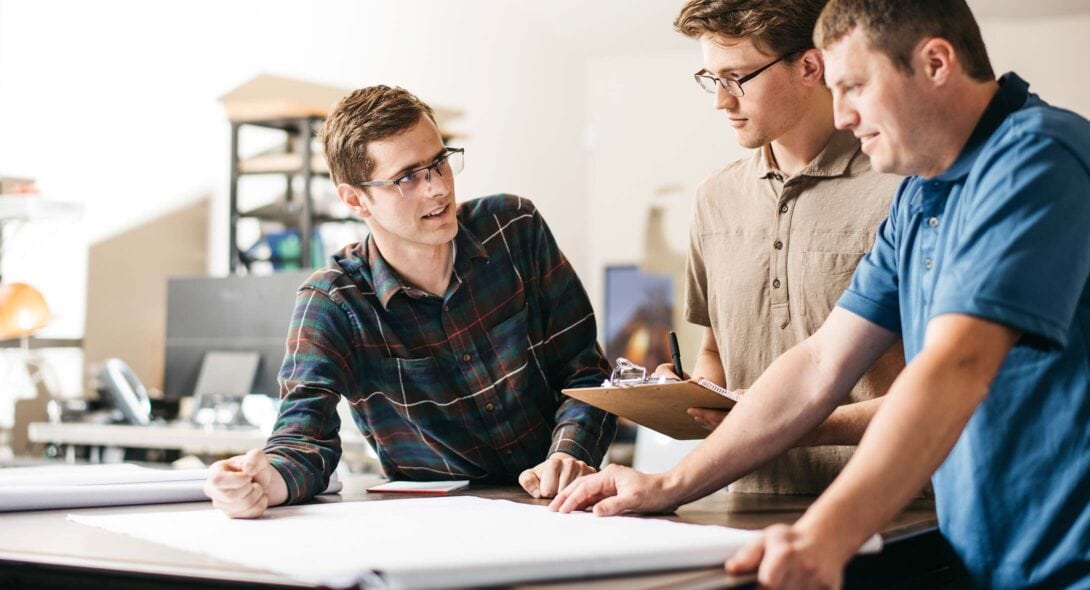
(812, 66)
(936, 59)
(355, 199)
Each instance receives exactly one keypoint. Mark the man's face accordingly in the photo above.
(425, 218)
(888, 110)
(773, 102)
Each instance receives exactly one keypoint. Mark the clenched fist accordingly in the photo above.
(245, 485)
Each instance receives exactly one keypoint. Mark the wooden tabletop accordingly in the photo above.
(48, 538)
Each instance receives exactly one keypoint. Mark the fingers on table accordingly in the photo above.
(780, 564)
(612, 505)
(747, 558)
(530, 482)
(570, 472)
(548, 475)
(579, 495)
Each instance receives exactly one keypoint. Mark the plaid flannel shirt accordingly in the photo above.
(465, 386)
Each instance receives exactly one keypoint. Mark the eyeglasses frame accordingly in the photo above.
(727, 83)
(447, 153)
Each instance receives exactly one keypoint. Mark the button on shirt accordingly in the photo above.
(1004, 235)
(464, 386)
(769, 256)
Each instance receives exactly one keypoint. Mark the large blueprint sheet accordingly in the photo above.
(432, 542)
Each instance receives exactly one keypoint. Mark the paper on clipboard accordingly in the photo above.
(660, 406)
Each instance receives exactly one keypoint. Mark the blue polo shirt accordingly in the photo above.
(1004, 235)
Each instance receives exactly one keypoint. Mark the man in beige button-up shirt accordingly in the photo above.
(775, 238)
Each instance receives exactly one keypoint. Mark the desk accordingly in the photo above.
(183, 437)
(45, 550)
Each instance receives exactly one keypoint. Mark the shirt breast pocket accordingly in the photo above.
(407, 390)
(510, 339)
(826, 275)
(516, 368)
(416, 416)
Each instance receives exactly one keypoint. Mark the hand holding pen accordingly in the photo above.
(706, 417)
(673, 368)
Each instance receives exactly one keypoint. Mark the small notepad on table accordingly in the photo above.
(420, 487)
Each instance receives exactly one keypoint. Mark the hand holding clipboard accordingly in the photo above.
(659, 403)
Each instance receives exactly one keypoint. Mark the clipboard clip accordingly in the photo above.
(627, 373)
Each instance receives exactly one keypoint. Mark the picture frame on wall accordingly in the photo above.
(639, 315)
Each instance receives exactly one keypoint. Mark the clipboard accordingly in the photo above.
(660, 406)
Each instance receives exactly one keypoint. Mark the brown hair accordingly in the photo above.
(895, 27)
(776, 27)
(368, 114)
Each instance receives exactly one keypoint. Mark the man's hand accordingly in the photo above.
(785, 557)
(553, 475)
(667, 370)
(709, 418)
(705, 417)
(245, 485)
(615, 490)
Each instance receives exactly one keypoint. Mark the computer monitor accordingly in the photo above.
(236, 313)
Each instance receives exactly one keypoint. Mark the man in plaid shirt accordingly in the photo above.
(450, 330)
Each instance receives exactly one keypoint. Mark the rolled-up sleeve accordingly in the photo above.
(573, 358)
(305, 445)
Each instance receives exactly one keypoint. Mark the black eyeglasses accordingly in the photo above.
(732, 86)
(449, 163)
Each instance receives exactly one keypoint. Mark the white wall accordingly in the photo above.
(1049, 53)
(587, 108)
(113, 103)
(651, 131)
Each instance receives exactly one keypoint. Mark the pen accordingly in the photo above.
(675, 354)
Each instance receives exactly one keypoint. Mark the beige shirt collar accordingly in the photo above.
(832, 161)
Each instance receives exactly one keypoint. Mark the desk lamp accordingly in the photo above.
(22, 313)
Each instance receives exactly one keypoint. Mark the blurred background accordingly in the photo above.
(115, 120)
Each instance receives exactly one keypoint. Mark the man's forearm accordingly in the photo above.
(845, 426)
(787, 401)
(923, 415)
(709, 365)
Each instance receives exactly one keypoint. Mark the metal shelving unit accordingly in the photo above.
(297, 208)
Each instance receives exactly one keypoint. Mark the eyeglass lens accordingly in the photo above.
(707, 82)
(447, 166)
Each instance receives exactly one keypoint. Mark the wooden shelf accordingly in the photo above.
(282, 164)
(36, 208)
(288, 214)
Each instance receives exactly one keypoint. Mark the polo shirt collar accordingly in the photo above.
(833, 160)
(387, 282)
(1011, 96)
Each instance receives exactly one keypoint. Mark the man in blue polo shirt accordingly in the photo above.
(982, 267)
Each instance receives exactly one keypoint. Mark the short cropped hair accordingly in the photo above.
(369, 114)
(895, 27)
(776, 27)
